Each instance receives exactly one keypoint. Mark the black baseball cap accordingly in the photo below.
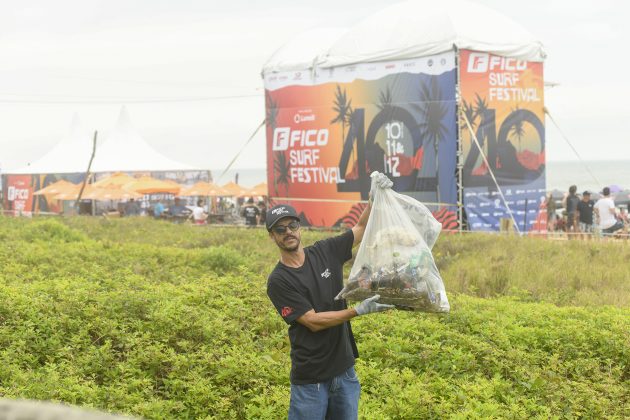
(280, 212)
(587, 192)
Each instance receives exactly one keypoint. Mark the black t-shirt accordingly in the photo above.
(585, 208)
(315, 356)
(250, 213)
(572, 203)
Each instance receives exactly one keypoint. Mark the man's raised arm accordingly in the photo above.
(359, 229)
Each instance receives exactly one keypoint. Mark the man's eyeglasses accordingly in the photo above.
(282, 229)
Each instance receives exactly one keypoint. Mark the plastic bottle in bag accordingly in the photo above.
(394, 259)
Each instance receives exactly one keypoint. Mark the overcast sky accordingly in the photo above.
(90, 57)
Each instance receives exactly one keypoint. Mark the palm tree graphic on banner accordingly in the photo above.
(281, 165)
(343, 108)
(433, 128)
(518, 130)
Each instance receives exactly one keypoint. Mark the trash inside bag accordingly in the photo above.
(394, 259)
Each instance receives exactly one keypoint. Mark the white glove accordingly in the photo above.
(370, 305)
(380, 180)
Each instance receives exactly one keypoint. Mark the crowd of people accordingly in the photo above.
(178, 211)
(576, 215)
(580, 216)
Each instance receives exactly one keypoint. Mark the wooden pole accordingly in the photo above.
(87, 173)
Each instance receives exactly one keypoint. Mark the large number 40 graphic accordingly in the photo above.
(370, 155)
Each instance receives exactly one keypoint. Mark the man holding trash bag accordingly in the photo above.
(302, 287)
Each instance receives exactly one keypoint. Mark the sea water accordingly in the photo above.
(586, 175)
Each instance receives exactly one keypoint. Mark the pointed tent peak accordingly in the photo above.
(76, 121)
(77, 133)
(70, 155)
(124, 120)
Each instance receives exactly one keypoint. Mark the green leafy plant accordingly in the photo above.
(172, 321)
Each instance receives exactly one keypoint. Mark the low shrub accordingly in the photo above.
(176, 324)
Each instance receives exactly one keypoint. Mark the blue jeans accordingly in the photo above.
(618, 225)
(337, 398)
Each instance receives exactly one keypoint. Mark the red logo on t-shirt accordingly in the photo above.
(286, 311)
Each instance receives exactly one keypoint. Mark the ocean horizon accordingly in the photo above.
(587, 175)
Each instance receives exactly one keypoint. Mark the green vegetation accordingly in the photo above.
(172, 321)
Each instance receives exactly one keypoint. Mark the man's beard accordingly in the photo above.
(282, 243)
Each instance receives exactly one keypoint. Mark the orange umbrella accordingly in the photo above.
(260, 189)
(149, 185)
(116, 180)
(73, 193)
(203, 189)
(236, 190)
(59, 187)
(104, 194)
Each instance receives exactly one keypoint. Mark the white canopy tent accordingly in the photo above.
(406, 30)
(70, 155)
(125, 150)
(412, 39)
(303, 51)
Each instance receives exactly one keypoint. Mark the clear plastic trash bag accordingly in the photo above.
(394, 259)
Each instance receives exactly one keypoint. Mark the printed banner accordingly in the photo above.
(18, 192)
(18, 198)
(502, 99)
(18, 195)
(327, 130)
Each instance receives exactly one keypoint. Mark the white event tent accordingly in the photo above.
(70, 155)
(124, 150)
(410, 29)
(451, 50)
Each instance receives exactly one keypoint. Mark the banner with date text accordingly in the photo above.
(328, 129)
(503, 101)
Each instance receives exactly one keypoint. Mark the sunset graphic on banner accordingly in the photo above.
(503, 100)
(328, 130)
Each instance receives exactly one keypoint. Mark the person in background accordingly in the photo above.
(585, 215)
(132, 208)
(251, 213)
(605, 211)
(263, 212)
(570, 203)
(158, 209)
(624, 218)
(178, 211)
(199, 214)
(551, 213)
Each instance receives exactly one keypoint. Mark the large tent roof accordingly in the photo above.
(70, 155)
(125, 150)
(411, 29)
(304, 49)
